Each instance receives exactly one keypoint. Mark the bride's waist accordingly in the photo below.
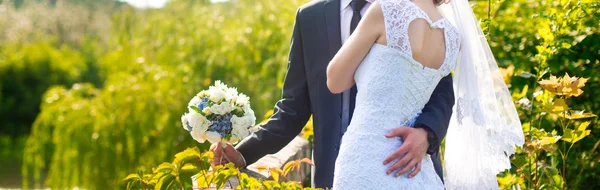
(387, 112)
(379, 125)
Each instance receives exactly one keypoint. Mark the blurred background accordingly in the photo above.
(92, 90)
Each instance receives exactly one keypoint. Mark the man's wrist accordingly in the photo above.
(431, 138)
(243, 161)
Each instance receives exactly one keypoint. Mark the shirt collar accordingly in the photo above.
(346, 3)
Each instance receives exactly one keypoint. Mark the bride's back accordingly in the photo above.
(413, 28)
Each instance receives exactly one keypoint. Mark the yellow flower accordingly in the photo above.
(507, 73)
(566, 85)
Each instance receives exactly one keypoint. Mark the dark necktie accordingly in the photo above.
(356, 5)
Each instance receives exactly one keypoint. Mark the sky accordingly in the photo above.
(152, 3)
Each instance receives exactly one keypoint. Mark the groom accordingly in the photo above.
(320, 28)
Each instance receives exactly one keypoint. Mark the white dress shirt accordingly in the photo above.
(346, 16)
(345, 20)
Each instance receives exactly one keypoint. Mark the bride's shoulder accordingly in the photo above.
(394, 2)
(397, 6)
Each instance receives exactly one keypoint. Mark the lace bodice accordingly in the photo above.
(390, 75)
(398, 14)
(393, 88)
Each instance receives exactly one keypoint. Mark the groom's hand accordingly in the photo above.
(223, 155)
(410, 153)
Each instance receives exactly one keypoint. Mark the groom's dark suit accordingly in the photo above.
(315, 41)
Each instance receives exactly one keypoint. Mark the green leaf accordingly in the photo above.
(290, 166)
(147, 177)
(205, 160)
(261, 168)
(189, 168)
(548, 140)
(523, 92)
(554, 176)
(572, 136)
(558, 106)
(132, 177)
(190, 155)
(164, 168)
(578, 115)
(132, 185)
(270, 184)
(202, 181)
(274, 174)
(195, 109)
(291, 185)
(222, 177)
(165, 182)
(185, 175)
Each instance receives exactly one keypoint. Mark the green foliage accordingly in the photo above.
(41, 47)
(536, 38)
(175, 175)
(25, 75)
(91, 135)
(179, 173)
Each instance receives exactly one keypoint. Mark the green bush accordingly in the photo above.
(42, 46)
(92, 136)
(25, 74)
(538, 38)
(178, 175)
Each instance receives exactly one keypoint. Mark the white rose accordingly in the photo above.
(220, 85)
(198, 135)
(206, 111)
(185, 122)
(216, 94)
(232, 94)
(229, 107)
(203, 94)
(248, 110)
(195, 101)
(249, 113)
(251, 119)
(242, 100)
(221, 109)
(213, 137)
(241, 132)
(198, 122)
(239, 122)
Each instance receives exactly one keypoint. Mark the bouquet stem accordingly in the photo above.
(223, 155)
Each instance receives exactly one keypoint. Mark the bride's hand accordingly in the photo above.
(224, 155)
(411, 153)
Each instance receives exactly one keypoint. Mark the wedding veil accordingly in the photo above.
(485, 127)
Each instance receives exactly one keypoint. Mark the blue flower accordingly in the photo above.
(202, 105)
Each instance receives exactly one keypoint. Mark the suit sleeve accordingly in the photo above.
(290, 113)
(437, 112)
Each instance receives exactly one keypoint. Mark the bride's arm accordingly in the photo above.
(340, 72)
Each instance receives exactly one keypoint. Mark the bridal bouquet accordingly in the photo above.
(219, 114)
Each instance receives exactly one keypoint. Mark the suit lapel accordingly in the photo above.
(332, 19)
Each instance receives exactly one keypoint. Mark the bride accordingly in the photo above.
(396, 56)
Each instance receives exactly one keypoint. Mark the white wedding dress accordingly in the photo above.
(392, 90)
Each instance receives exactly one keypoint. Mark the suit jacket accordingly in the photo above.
(315, 40)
